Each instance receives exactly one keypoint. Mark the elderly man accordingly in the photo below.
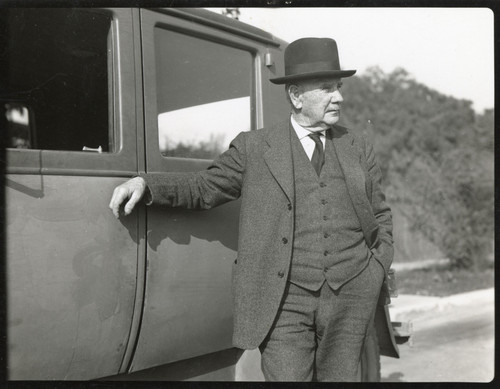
(315, 239)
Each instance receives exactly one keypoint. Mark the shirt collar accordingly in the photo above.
(301, 131)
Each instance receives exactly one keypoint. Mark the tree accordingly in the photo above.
(436, 155)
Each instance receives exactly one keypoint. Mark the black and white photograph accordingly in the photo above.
(248, 194)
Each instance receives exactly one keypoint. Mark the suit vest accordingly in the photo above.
(328, 241)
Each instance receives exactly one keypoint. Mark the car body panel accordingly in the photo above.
(71, 278)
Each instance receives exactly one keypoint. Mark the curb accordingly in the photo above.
(422, 264)
(405, 307)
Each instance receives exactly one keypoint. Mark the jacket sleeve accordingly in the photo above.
(384, 248)
(219, 183)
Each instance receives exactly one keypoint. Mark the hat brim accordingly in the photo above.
(305, 76)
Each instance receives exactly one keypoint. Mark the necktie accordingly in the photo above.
(318, 157)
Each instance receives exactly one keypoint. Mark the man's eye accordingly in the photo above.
(331, 88)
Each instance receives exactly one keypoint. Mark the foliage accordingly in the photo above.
(202, 149)
(436, 155)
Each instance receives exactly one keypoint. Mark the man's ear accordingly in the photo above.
(295, 96)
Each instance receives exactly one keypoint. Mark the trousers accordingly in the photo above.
(319, 335)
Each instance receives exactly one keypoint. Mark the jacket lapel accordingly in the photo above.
(279, 157)
(349, 157)
(350, 163)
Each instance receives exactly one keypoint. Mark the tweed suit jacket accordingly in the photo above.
(258, 168)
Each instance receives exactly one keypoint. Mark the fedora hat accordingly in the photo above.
(311, 58)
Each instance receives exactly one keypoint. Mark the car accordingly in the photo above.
(95, 96)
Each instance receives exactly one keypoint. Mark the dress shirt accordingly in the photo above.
(307, 143)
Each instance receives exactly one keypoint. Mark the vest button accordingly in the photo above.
(289, 207)
(322, 184)
(326, 234)
(281, 274)
(323, 201)
(284, 240)
(325, 253)
(325, 217)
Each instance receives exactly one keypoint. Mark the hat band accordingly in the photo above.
(312, 67)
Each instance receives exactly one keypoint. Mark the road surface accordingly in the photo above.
(452, 344)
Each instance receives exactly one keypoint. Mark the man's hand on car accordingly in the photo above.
(133, 189)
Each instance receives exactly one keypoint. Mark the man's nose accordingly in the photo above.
(337, 97)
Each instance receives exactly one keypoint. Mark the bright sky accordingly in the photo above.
(448, 49)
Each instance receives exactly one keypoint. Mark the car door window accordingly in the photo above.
(203, 94)
(55, 88)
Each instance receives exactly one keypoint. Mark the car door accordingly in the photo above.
(199, 91)
(71, 118)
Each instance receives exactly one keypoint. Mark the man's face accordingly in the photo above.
(319, 101)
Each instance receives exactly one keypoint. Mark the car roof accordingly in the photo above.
(207, 17)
